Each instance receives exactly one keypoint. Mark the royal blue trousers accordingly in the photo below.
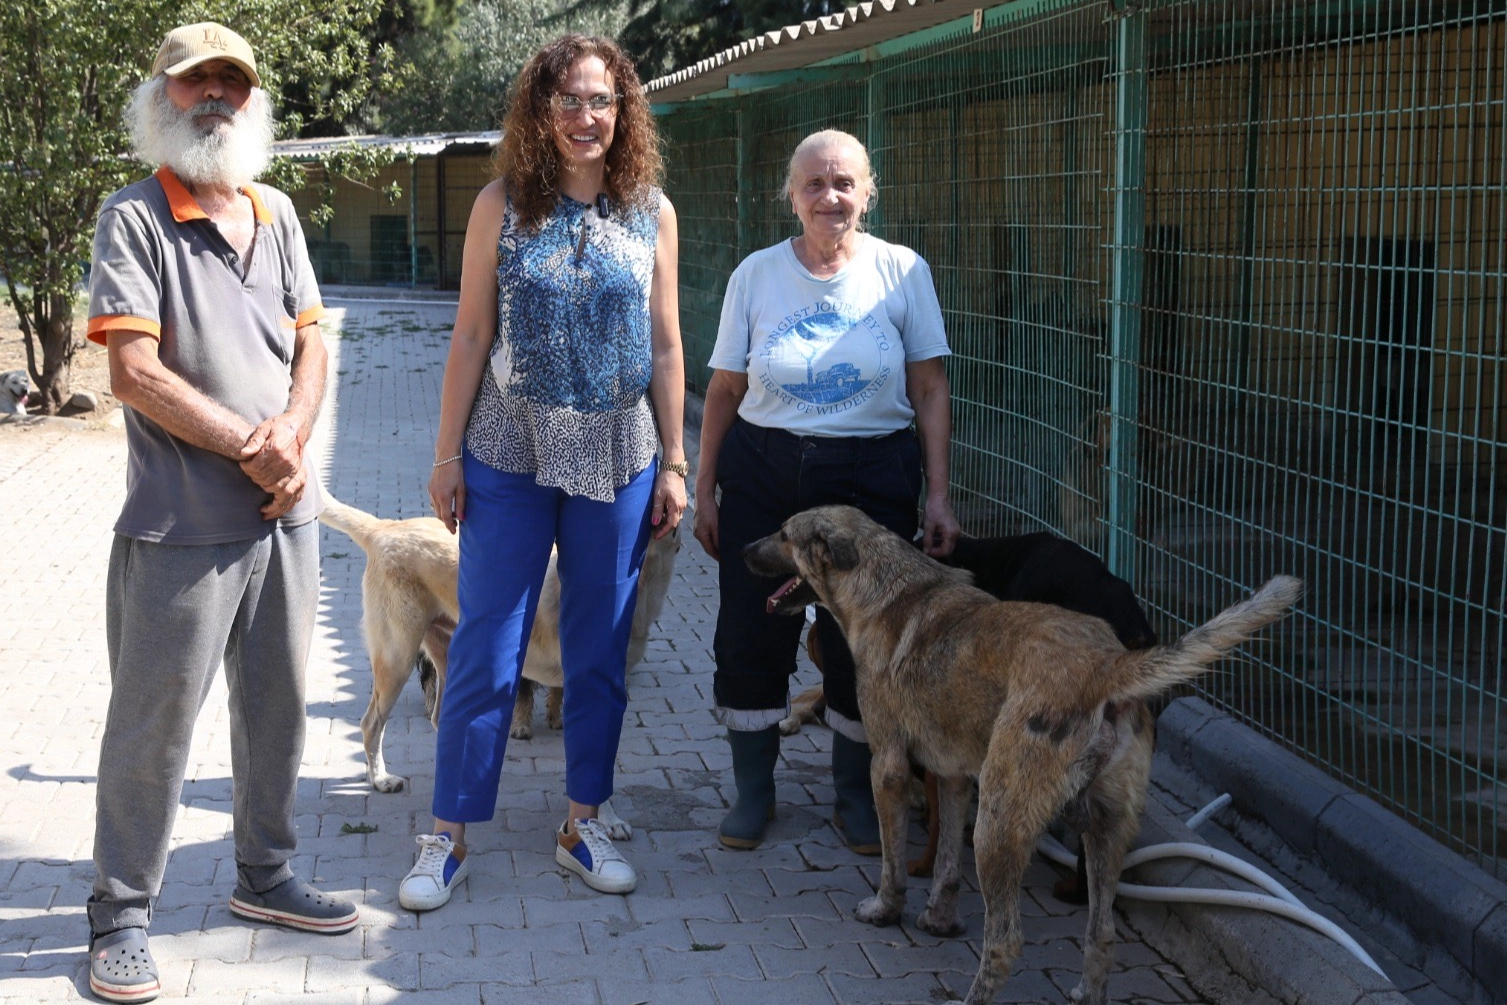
(511, 523)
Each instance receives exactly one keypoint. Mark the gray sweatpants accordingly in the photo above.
(172, 613)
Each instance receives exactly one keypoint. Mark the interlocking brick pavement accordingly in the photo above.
(706, 926)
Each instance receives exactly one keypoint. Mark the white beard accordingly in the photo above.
(228, 155)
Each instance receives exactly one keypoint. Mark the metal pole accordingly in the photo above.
(875, 141)
(1129, 266)
(413, 221)
(1249, 208)
(441, 259)
(745, 173)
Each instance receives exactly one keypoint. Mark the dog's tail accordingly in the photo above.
(357, 524)
(1146, 673)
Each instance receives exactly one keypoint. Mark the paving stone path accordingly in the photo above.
(706, 926)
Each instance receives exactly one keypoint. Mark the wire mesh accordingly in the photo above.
(1224, 284)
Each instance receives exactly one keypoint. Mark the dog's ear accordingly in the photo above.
(842, 550)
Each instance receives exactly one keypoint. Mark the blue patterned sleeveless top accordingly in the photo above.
(565, 397)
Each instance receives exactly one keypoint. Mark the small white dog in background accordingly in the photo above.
(14, 387)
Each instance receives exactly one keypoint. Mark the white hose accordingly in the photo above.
(1282, 901)
(1197, 819)
(1218, 859)
(1237, 898)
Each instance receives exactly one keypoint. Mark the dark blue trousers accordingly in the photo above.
(766, 476)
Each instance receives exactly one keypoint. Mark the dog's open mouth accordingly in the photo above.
(791, 598)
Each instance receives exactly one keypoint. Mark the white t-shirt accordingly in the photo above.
(826, 357)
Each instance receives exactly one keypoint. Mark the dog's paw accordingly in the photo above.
(388, 783)
(554, 720)
(939, 924)
(875, 911)
(618, 828)
(790, 726)
(1080, 996)
(525, 732)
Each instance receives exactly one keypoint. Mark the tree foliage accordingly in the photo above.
(67, 68)
(398, 24)
(665, 35)
(462, 74)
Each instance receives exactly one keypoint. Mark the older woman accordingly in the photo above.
(564, 376)
(830, 348)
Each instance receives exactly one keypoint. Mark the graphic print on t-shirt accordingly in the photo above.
(825, 357)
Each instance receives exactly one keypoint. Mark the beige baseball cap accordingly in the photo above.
(187, 47)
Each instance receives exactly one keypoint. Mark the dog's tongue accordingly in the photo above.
(774, 598)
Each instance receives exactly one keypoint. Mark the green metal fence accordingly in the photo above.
(1225, 285)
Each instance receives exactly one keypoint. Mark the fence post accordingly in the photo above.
(1248, 222)
(1128, 269)
(441, 238)
(875, 140)
(413, 220)
(745, 173)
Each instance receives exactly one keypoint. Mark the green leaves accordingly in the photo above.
(69, 67)
(463, 73)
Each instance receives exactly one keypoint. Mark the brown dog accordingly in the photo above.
(408, 605)
(1043, 705)
(1041, 568)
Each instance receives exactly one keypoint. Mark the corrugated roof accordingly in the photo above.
(807, 43)
(427, 144)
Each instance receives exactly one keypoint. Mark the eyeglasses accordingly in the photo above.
(599, 104)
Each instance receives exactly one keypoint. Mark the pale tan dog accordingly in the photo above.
(409, 605)
(1043, 705)
(15, 385)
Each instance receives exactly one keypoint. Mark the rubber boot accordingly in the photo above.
(754, 754)
(853, 808)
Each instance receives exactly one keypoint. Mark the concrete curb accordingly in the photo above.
(66, 421)
(416, 294)
(1442, 898)
(1282, 960)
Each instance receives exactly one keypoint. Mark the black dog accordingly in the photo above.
(1047, 569)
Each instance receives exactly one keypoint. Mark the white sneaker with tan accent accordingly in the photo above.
(442, 866)
(590, 854)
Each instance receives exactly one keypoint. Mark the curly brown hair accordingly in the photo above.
(528, 160)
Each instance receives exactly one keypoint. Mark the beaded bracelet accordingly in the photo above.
(447, 460)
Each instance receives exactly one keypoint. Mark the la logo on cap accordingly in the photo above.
(186, 47)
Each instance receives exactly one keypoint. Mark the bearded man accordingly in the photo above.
(202, 291)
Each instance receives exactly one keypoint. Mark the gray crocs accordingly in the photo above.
(296, 904)
(121, 968)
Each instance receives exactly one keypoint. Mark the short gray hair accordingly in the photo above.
(831, 138)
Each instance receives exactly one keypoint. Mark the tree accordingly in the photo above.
(400, 24)
(68, 70)
(462, 75)
(665, 35)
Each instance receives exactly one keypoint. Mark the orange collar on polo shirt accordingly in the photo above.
(185, 207)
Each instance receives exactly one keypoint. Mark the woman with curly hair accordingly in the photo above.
(564, 378)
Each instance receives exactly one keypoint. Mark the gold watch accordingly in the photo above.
(681, 468)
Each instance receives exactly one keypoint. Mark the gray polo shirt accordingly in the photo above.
(161, 266)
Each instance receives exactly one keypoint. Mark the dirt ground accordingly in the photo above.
(91, 365)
